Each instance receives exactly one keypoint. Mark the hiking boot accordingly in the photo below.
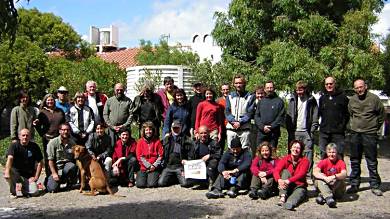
(330, 202)
(288, 206)
(232, 193)
(353, 189)
(377, 191)
(263, 194)
(320, 200)
(214, 194)
(253, 194)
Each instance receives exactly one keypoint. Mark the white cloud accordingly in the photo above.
(178, 18)
(382, 27)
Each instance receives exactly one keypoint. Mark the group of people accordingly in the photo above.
(197, 128)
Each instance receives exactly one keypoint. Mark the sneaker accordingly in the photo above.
(288, 206)
(353, 189)
(263, 194)
(214, 194)
(253, 194)
(320, 200)
(232, 193)
(330, 202)
(377, 191)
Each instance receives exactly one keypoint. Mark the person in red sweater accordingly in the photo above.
(210, 114)
(149, 155)
(330, 174)
(124, 159)
(290, 173)
(262, 168)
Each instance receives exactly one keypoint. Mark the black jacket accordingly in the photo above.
(171, 158)
(214, 149)
(333, 110)
(193, 102)
(270, 111)
(229, 162)
(135, 109)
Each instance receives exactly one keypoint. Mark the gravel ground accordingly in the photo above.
(176, 202)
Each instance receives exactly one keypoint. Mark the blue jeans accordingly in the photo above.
(68, 176)
(366, 143)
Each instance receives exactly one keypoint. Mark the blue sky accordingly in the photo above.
(149, 19)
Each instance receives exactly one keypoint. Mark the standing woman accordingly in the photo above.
(149, 154)
(23, 116)
(210, 114)
(290, 174)
(49, 119)
(179, 110)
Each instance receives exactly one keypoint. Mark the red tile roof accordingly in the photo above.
(124, 58)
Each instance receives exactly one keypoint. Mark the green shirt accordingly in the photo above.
(57, 151)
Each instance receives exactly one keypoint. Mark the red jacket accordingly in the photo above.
(129, 151)
(298, 173)
(266, 166)
(149, 153)
(209, 114)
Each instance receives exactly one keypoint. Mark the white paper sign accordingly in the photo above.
(195, 169)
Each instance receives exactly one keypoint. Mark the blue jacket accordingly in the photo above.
(239, 109)
(181, 113)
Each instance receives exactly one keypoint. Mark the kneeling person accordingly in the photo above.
(234, 171)
(62, 165)
(209, 151)
(99, 147)
(124, 159)
(24, 165)
(149, 155)
(330, 174)
(176, 149)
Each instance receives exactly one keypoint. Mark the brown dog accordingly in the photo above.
(91, 169)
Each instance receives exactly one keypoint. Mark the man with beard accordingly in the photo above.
(116, 112)
(62, 165)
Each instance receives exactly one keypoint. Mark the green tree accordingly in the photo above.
(23, 67)
(288, 40)
(8, 21)
(74, 74)
(47, 30)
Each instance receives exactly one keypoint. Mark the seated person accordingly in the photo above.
(234, 171)
(263, 184)
(290, 173)
(124, 159)
(329, 177)
(99, 147)
(24, 165)
(209, 151)
(149, 155)
(177, 146)
(62, 165)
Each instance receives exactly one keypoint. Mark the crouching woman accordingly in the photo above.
(290, 173)
(329, 177)
(149, 155)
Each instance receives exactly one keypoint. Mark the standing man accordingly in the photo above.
(366, 118)
(95, 100)
(24, 165)
(116, 112)
(238, 112)
(194, 101)
(62, 102)
(333, 110)
(62, 165)
(269, 116)
(302, 119)
(225, 89)
(166, 94)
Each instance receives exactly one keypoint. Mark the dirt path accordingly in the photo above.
(176, 202)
